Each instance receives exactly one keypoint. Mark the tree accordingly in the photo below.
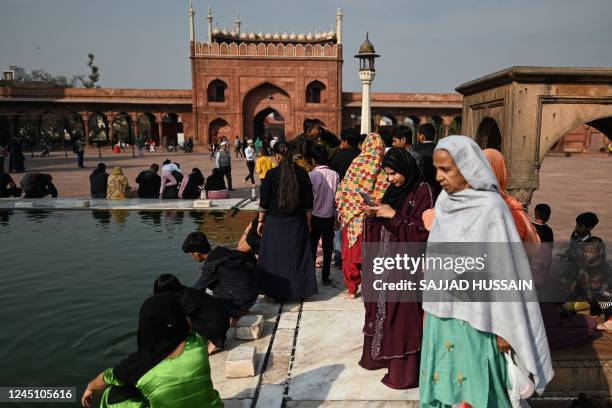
(94, 74)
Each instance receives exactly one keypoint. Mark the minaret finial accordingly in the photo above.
(339, 26)
(209, 17)
(191, 22)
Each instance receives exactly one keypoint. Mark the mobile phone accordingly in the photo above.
(368, 200)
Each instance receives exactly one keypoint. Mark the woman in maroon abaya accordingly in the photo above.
(393, 330)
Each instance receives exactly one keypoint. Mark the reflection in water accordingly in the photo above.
(150, 217)
(102, 216)
(37, 215)
(119, 216)
(5, 216)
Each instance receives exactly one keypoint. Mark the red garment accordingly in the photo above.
(397, 337)
(351, 263)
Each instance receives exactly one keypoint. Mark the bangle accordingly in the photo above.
(260, 221)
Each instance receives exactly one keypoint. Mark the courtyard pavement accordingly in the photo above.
(570, 185)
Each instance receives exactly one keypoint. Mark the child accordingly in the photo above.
(585, 223)
(542, 215)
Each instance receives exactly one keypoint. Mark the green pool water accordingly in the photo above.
(73, 281)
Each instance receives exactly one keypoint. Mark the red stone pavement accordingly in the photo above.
(570, 185)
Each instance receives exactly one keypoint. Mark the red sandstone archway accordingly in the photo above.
(266, 96)
(218, 128)
(269, 123)
(489, 135)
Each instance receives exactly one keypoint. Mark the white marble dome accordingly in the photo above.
(268, 36)
(276, 36)
(216, 30)
(309, 37)
(285, 36)
(252, 36)
(244, 36)
(301, 37)
(331, 34)
(293, 36)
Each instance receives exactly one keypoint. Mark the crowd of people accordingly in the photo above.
(340, 194)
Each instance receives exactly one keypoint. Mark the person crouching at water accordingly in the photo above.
(205, 312)
(285, 206)
(463, 342)
(169, 369)
(228, 275)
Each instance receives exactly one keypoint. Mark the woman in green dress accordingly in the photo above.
(463, 341)
(170, 368)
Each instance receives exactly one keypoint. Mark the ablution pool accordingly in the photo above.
(73, 282)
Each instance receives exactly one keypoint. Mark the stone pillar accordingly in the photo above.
(85, 123)
(109, 126)
(191, 22)
(446, 122)
(210, 19)
(339, 26)
(366, 77)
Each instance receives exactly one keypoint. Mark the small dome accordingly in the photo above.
(232, 34)
(252, 36)
(216, 30)
(260, 35)
(301, 37)
(293, 36)
(276, 36)
(243, 35)
(317, 36)
(285, 36)
(225, 32)
(268, 36)
(309, 37)
(331, 34)
(367, 47)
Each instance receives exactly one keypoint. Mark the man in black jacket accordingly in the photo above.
(425, 146)
(228, 275)
(149, 182)
(98, 181)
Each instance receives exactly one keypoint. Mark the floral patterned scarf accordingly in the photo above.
(364, 174)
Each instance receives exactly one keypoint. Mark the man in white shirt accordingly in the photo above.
(249, 153)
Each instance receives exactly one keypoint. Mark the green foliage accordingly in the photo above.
(94, 73)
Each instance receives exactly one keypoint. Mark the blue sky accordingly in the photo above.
(426, 45)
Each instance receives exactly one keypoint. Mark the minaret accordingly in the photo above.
(366, 56)
(191, 22)
(237, 24)
(339, 26)
(209, 18)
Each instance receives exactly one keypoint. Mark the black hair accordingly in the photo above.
(403, 132)
(428, 130)
(177, 165)
(542, 211)
(101, 166)
(351, 136)
(588, 219)
(167, 282)
(196, 242)
(198, 177)
(288, 192)
(155, 166)
(310, 123)
(167, 161)
(387, 137)
(362, 137)
(319, 154)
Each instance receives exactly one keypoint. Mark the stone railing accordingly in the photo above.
(267, 50)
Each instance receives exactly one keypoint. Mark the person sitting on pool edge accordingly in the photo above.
(205, 312)
(169, 369)
(229, 275)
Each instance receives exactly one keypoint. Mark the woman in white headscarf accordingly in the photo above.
(461, 357)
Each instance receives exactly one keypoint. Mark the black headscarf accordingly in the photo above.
(404, 163)
(162, 326)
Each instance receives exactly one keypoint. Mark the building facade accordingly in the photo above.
(243, 81)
